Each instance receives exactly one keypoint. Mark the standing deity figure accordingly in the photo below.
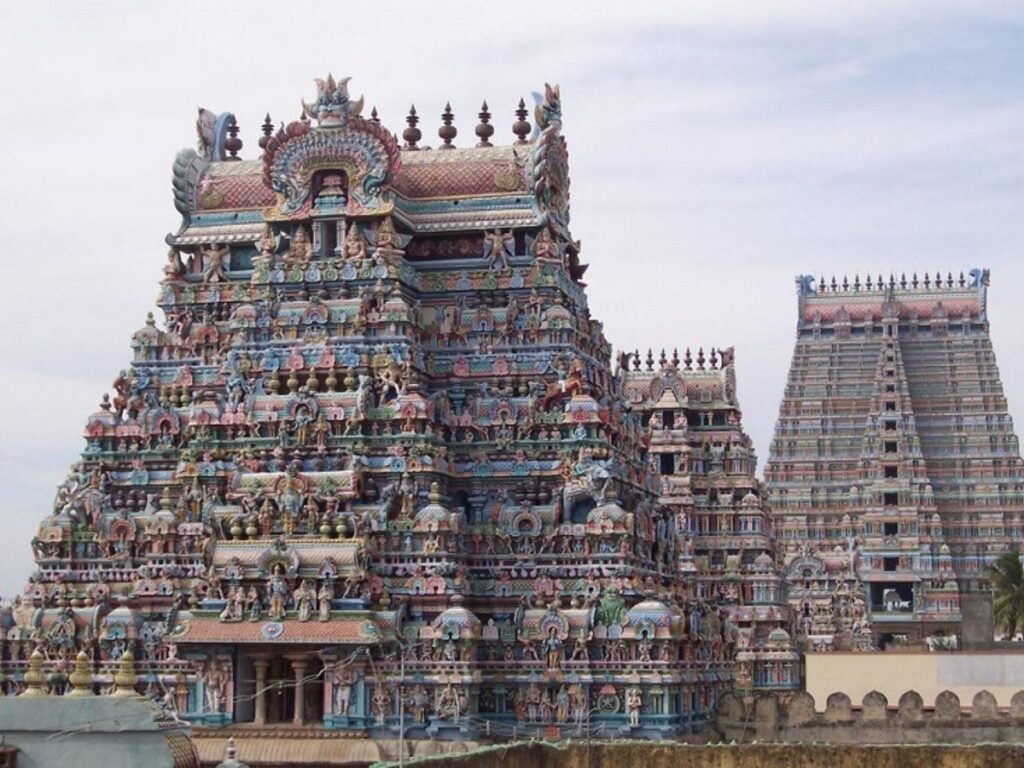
(266, 516)
(215, 263)
(277, 588)
(303, 597)
(418, 704)
(324, 597)
(634, 703)
(498, 247)
(215, 682)
(380, 704)
(341, 683)
(553, 649)
(562, 704)
(254, 604)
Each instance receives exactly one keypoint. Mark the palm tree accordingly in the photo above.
(1006, 575)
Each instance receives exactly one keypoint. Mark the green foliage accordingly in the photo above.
(1007, 578)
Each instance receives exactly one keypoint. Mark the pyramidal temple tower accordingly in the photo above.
(895, 476)
(374, 473)
(705, 462)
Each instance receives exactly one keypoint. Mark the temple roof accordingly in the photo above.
(914, 298)
(225, 199)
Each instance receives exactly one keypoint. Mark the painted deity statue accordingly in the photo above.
(277, 589)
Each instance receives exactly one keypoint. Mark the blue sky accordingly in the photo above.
(717, 150)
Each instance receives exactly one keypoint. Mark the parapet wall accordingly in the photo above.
(663, 755)
(876, 720)
(964, 673)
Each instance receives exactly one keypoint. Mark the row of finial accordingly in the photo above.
(903, 283)
(447, 132)
(81, 677)
(703, 363)
(411, 135)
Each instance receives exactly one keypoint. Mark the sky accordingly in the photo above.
(717, 150)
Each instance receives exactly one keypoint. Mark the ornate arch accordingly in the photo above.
(366, 151)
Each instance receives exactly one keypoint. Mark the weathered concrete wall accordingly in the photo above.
(662, 755)
(873, 720)
(1001, 673)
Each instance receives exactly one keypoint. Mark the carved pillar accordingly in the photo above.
(299, 665)
(260, 664)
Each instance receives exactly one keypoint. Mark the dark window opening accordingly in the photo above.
(890, 563)
(890, 405)
(668, 463)
(891, 529)
(891, 498)
(891, 470)
(668, 419)
(241, 258)
(891, 446)
(890, 425)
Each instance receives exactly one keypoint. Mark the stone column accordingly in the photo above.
(300, 663)
(260, 663)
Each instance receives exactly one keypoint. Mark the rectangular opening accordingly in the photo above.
(668, 419)
(891, 529)
(890, 387)
(668, 463)
(891, 498)
(890, 405)
(890, 425)
(891, 446)
(891, 374)
(890, 563)
(891, 470)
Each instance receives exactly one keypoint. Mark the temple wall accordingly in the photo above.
(893, 673)
(614, 755)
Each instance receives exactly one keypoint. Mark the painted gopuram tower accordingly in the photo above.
(706, 462)
(374, 469)
(895, 476)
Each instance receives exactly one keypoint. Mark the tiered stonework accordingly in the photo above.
(696, 443)
(376, 470)
(894, 477)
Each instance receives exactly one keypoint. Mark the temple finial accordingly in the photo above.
(412, 134)
(233, 144)
(521, 127)
(484, 130)
(447, 131)
(268, 129)
(373, 115)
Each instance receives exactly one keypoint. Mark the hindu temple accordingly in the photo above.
(895, 477)
(373, 471)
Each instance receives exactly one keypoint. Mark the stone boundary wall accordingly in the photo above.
(626, 754)
(875, 720)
